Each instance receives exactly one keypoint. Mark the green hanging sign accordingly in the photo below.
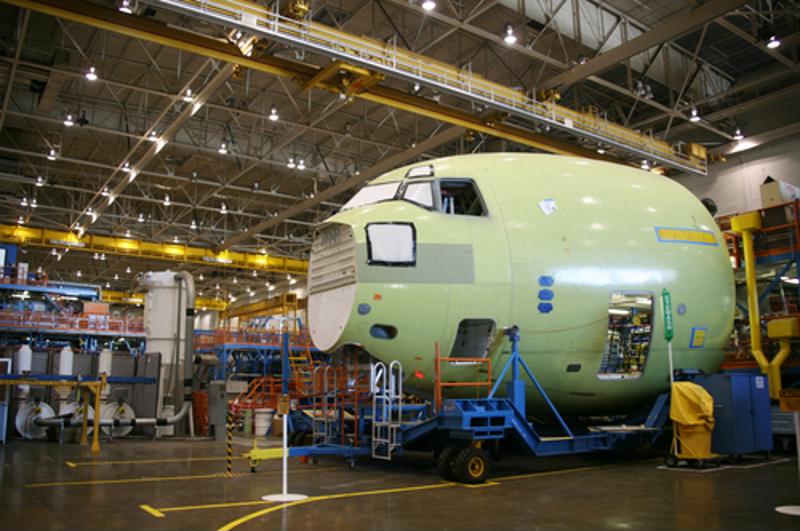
(666, 308)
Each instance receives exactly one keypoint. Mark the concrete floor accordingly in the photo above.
(138, 484)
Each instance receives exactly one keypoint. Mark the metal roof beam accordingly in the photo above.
(672, 29)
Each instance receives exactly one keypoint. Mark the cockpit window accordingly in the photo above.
(460, 197)
(419, 193)
(372, 194)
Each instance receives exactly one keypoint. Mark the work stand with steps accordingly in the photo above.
(375, 421)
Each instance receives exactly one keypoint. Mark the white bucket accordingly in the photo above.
(263, 421)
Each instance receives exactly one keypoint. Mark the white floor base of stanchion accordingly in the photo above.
(284, 497)
(791, 510)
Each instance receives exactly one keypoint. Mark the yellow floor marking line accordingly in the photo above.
(212, 506)
(154, 512)
(480, 485)
(311, 499)
(247, 518)
(128, 480)
(73, 464)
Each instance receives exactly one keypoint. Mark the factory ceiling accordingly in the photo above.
(176, 143)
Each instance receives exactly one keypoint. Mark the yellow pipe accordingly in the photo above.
(775, 384)
(752, 301)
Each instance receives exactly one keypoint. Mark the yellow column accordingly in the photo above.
(85, 394)
(745, 225)
(96, 433)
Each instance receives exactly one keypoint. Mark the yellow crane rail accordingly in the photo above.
(124, 297)
(172, 252)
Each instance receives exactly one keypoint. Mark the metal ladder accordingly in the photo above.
(387, 407)
(324, 405)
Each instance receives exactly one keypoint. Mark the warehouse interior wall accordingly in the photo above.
(734, 185)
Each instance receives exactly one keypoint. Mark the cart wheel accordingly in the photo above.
(444, 463)
(471, 465)
(671, 460)
(698, 463)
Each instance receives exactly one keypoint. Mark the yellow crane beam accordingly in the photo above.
(153, 31)
(281, 305)
(130, 247)
(124, 297)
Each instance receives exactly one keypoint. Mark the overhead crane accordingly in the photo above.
(378, 59)
(122, 246)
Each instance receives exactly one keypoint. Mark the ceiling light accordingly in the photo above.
(193, 226)
(271, 288)
(20, 220)
(415, 89)
(273, 114)
(187, 97)
(53, 251)
(126, 7)
(428, 5)
(738, 135)
(216, 286)
(24, 201)
(128, 269)
(223, 149)
(58, 257)
(152, 137)
(33, 203)
(39, 181)
(175, 239)
(223, 209)
(167, 202)
(509, 37)
(645, 165)
(108, 285)
(293, 282)
(773, 42)
(78, 273)
(91, 74)
(116, 276)
(140, 219)
(80, 230)
(96, 256)
(105, 191)
(201, 277)
(235, 280)
(255, 273)
(52, 154)
(103, 257)
(601, 150)
(695, 117)
(127, 233)
(291, 165)
(126, 166)
(301, 165)
(132, 175)
(68, 121)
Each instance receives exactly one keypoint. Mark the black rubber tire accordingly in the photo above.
(471, 465)
(444, 463)
(671, 460)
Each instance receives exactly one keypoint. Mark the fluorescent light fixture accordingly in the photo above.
(509, 37)
(616, 311)
(773, 42)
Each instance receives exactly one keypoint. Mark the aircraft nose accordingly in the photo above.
(331, 284)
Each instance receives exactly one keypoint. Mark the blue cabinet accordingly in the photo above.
(741, 411)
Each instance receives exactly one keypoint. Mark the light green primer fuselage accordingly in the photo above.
(600, 238)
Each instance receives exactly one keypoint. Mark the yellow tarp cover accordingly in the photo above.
(691, 405)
